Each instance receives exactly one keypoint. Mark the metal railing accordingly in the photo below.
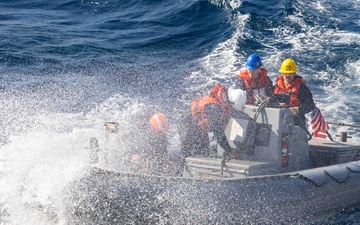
(343, 135)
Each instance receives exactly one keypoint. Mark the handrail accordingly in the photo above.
(344, 124)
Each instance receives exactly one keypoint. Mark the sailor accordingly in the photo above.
(151, 155)
(209, 113)
(254, 80)
(300, 99)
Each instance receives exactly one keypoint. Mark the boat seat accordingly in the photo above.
(212, 166)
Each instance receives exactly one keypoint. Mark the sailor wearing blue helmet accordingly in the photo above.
(254, 80)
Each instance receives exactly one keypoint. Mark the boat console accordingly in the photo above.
(273, 144)
(269, 142)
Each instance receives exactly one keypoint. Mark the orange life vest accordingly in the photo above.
(218, 95)
(293, 89)
(251, 84)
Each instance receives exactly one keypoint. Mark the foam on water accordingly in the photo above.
(39, 164)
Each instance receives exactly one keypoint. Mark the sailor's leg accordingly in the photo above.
(194, 140)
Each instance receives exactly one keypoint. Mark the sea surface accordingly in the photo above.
(67, 66)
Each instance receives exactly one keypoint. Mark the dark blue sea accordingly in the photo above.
(66, 66)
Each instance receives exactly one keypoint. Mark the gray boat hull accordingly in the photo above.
(109, 197)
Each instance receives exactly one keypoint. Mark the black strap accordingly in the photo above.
(328, 134)
(226, 158)
(223, 164)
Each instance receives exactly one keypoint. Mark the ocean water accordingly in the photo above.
(67, 66)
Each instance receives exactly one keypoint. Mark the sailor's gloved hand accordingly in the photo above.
(294, 110)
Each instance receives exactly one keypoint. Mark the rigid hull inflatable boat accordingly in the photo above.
(285, 178)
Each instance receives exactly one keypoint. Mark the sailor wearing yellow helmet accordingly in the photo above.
(300, 97)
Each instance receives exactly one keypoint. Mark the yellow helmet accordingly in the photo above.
(288, 66)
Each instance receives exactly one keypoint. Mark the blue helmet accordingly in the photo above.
(253, 62)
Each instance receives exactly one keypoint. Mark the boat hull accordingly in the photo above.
(107, 197)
